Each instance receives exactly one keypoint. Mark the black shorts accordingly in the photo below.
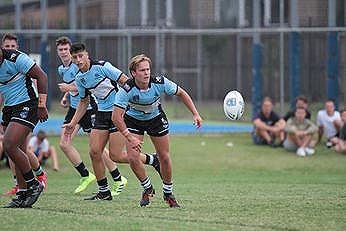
(86, 122)
(103, 121)
(157, 126)
(24, 113)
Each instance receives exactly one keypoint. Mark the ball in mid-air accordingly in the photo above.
(233, 105)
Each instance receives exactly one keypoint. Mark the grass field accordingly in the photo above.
(223, 182)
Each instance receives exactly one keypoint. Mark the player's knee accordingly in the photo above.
(133, 157)
(120, 157)
(95, 154)
(165, 159)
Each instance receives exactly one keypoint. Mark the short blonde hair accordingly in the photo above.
(135, 60)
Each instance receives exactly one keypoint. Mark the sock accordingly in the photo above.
(149, 159)
(146, 183)
(167, 188)
(38, 171)
(83, 171)
(30, 179)
(103, 185)
(116, 175)
(15, 180)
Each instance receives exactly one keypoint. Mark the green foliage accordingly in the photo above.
(223, 182)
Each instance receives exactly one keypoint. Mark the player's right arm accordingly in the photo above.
(120, 104)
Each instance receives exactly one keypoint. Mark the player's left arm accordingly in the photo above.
(185, 97)
(42, 87)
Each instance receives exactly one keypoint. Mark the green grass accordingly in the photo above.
(225, 184)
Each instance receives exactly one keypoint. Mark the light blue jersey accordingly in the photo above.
(100, 81)
(15, 86)
(68, 73)
(144, 104)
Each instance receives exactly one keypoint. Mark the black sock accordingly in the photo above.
(103, 185)
(30, 179)
(149, 159)
(116, 175)
(83, 171)
(38, 171)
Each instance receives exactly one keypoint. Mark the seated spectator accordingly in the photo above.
(268, 126)
(328, 122)
(39, 145)
(339, 142)
(301, 101)
(299, 132)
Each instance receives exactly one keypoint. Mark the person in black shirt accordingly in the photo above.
(301, 102)
(268, 126)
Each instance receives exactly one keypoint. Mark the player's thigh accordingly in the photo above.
(16, 133)
(161, 144)
(116, 143)
(98, 140)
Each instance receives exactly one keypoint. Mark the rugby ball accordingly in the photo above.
(233, 105)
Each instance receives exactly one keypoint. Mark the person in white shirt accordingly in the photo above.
(328, 122)
(39, 145)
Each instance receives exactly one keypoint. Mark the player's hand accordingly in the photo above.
(64, 102)
(197, 121)
(42, 114)
(63, 87)
(135, 143)
(68, 130)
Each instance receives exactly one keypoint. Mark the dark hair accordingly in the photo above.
(77, 47)
(300, 108)
(62, 41)
(41, 135)
(9, 36)
(267, 98)
(302, 98)
(330, 100)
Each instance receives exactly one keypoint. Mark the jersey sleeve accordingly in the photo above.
(24, 63)
(111, 71)
(170, 88)
(121, 99)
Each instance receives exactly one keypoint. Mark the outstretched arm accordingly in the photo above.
(185, 97)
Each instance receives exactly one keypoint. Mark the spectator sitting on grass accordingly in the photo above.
(299, 132)
(268, 126)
